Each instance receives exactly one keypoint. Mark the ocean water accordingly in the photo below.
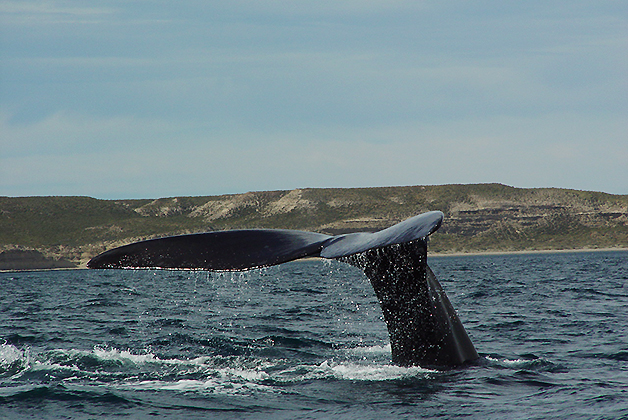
(306, 340)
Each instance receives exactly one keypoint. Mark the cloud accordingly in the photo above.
(139, 158)
(201, 96)
(70, 134)
(33, 13)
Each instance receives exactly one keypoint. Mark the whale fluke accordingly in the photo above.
(223, 250)
(423, 326)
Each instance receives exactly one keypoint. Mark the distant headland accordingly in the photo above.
(63, 232)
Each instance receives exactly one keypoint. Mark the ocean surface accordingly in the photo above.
(306, 340)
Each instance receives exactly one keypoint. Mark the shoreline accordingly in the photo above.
(530, 251)
(83, 265)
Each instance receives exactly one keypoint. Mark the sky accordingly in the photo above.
(148, 99)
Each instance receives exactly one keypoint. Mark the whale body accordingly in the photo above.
(423, 326)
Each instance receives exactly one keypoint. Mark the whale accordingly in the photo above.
(423, 326)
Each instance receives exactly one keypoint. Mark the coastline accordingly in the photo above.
(530, 251)
(504, 220)
(83, 264)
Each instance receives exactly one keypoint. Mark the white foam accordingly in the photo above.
(125, 355)
(223, 384)
(377, 350)
(370, 372)
(146, 358)
(10, 354)
(246, 374)
(507, 362)
(223, 380)
(215, 374)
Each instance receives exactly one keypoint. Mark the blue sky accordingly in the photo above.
(141, 99)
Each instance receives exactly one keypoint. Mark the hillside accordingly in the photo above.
(483, 217)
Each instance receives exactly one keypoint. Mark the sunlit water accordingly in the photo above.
(306, 340)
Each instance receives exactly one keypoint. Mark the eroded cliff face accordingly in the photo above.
(501, 217)
(484, 217)
(534, 226)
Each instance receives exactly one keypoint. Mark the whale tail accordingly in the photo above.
(423, 326)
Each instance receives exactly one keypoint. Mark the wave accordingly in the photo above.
(524, 362)
(368, 372)
(28, 371)
(12, 360)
